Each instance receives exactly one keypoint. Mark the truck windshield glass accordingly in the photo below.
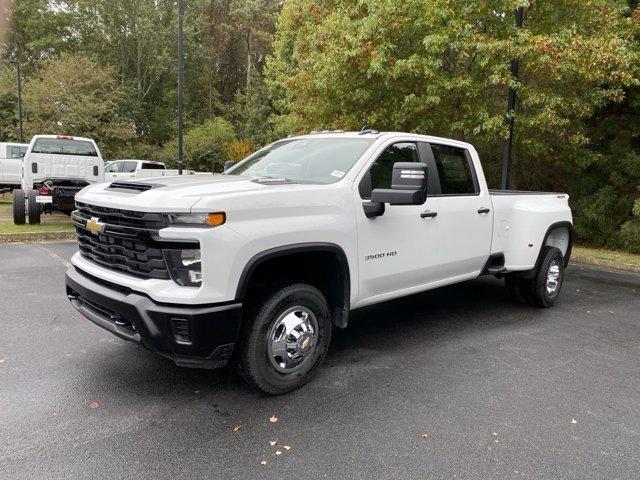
(313, 160)
(64, 146)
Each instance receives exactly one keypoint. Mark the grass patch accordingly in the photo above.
(43, 227)
(610, 255)
(56, 223)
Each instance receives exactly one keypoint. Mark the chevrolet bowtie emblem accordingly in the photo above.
(94, 226)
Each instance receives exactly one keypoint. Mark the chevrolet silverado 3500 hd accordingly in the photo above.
(261, 263)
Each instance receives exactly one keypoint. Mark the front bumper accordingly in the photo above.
(201, 336)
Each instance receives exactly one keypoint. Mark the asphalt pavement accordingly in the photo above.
(459, 382)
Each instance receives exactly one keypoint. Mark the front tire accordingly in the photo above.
(19, 210)
(286, 339)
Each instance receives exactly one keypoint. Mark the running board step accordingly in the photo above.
(496, 270)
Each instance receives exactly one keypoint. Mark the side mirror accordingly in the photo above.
(228, 164)
(408, 185)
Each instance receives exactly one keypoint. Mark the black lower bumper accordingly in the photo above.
(201, 336)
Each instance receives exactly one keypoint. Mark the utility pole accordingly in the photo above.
(19, 82)
(180, 83)
(511, 107)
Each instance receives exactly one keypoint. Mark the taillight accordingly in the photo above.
(44, 191)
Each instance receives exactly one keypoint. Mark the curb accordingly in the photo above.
(37, 236)
(583, 260)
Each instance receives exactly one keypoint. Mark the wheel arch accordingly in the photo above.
(337, 293)
(560, 235)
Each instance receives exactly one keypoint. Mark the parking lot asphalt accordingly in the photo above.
(454, 383)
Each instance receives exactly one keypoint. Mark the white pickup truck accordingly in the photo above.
(11, 155)
(55, 168)
(127, 169)
(260, 263)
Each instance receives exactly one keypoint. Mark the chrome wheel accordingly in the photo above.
(292, 339)
(553, 277)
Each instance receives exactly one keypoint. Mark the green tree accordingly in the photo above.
(442, 67)
(73, 95)
(204, 146)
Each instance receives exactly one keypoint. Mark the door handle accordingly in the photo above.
(483, 210)
(428, 214)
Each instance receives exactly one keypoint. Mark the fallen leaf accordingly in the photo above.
(573, 420)
(263, 462)
(494, 433)
(196, 391)
(54, 414)
(489, 448)
(273, 419)
(287, 447)
(93, 405)
(425, 435)
(272, 442)
(278, 452)
(1, 359)
(236, 428)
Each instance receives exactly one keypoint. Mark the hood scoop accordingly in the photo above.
(133, 186)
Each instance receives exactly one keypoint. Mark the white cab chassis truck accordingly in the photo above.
(259, 264)
(11, 155)
(55, 168)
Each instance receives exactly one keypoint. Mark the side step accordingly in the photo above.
(495, 270)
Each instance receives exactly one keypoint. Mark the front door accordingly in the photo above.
(414, 247)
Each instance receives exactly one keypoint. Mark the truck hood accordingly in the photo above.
(180, 193)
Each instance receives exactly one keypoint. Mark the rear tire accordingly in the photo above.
(286, 339)
(33, 208)
(545, 288)
(19, 211)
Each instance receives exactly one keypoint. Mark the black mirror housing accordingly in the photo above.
(228, 164)
(408, 185)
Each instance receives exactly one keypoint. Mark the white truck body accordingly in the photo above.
(11, 155)
(450, 237)
(47, 160)
(127, 169)
(262, 217)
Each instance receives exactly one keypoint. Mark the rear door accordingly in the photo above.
(464, 219)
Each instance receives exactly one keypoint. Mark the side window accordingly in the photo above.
(129, 167)
(379, 175)
(454, 170)
(113, 168)
(17, 152)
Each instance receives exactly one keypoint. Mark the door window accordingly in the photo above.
(17, 152)
(454, 169)
(114, 167)
(379, 175)
(129, 167)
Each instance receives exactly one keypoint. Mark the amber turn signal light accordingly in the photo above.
(216, 219)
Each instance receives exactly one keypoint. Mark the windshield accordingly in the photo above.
(312, 160)
(64, 146)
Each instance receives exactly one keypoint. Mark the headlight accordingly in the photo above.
(196, 219)
(185, 266)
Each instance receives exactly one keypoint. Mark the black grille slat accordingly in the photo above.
(124, 218)
(126, 245)
(132, 257)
